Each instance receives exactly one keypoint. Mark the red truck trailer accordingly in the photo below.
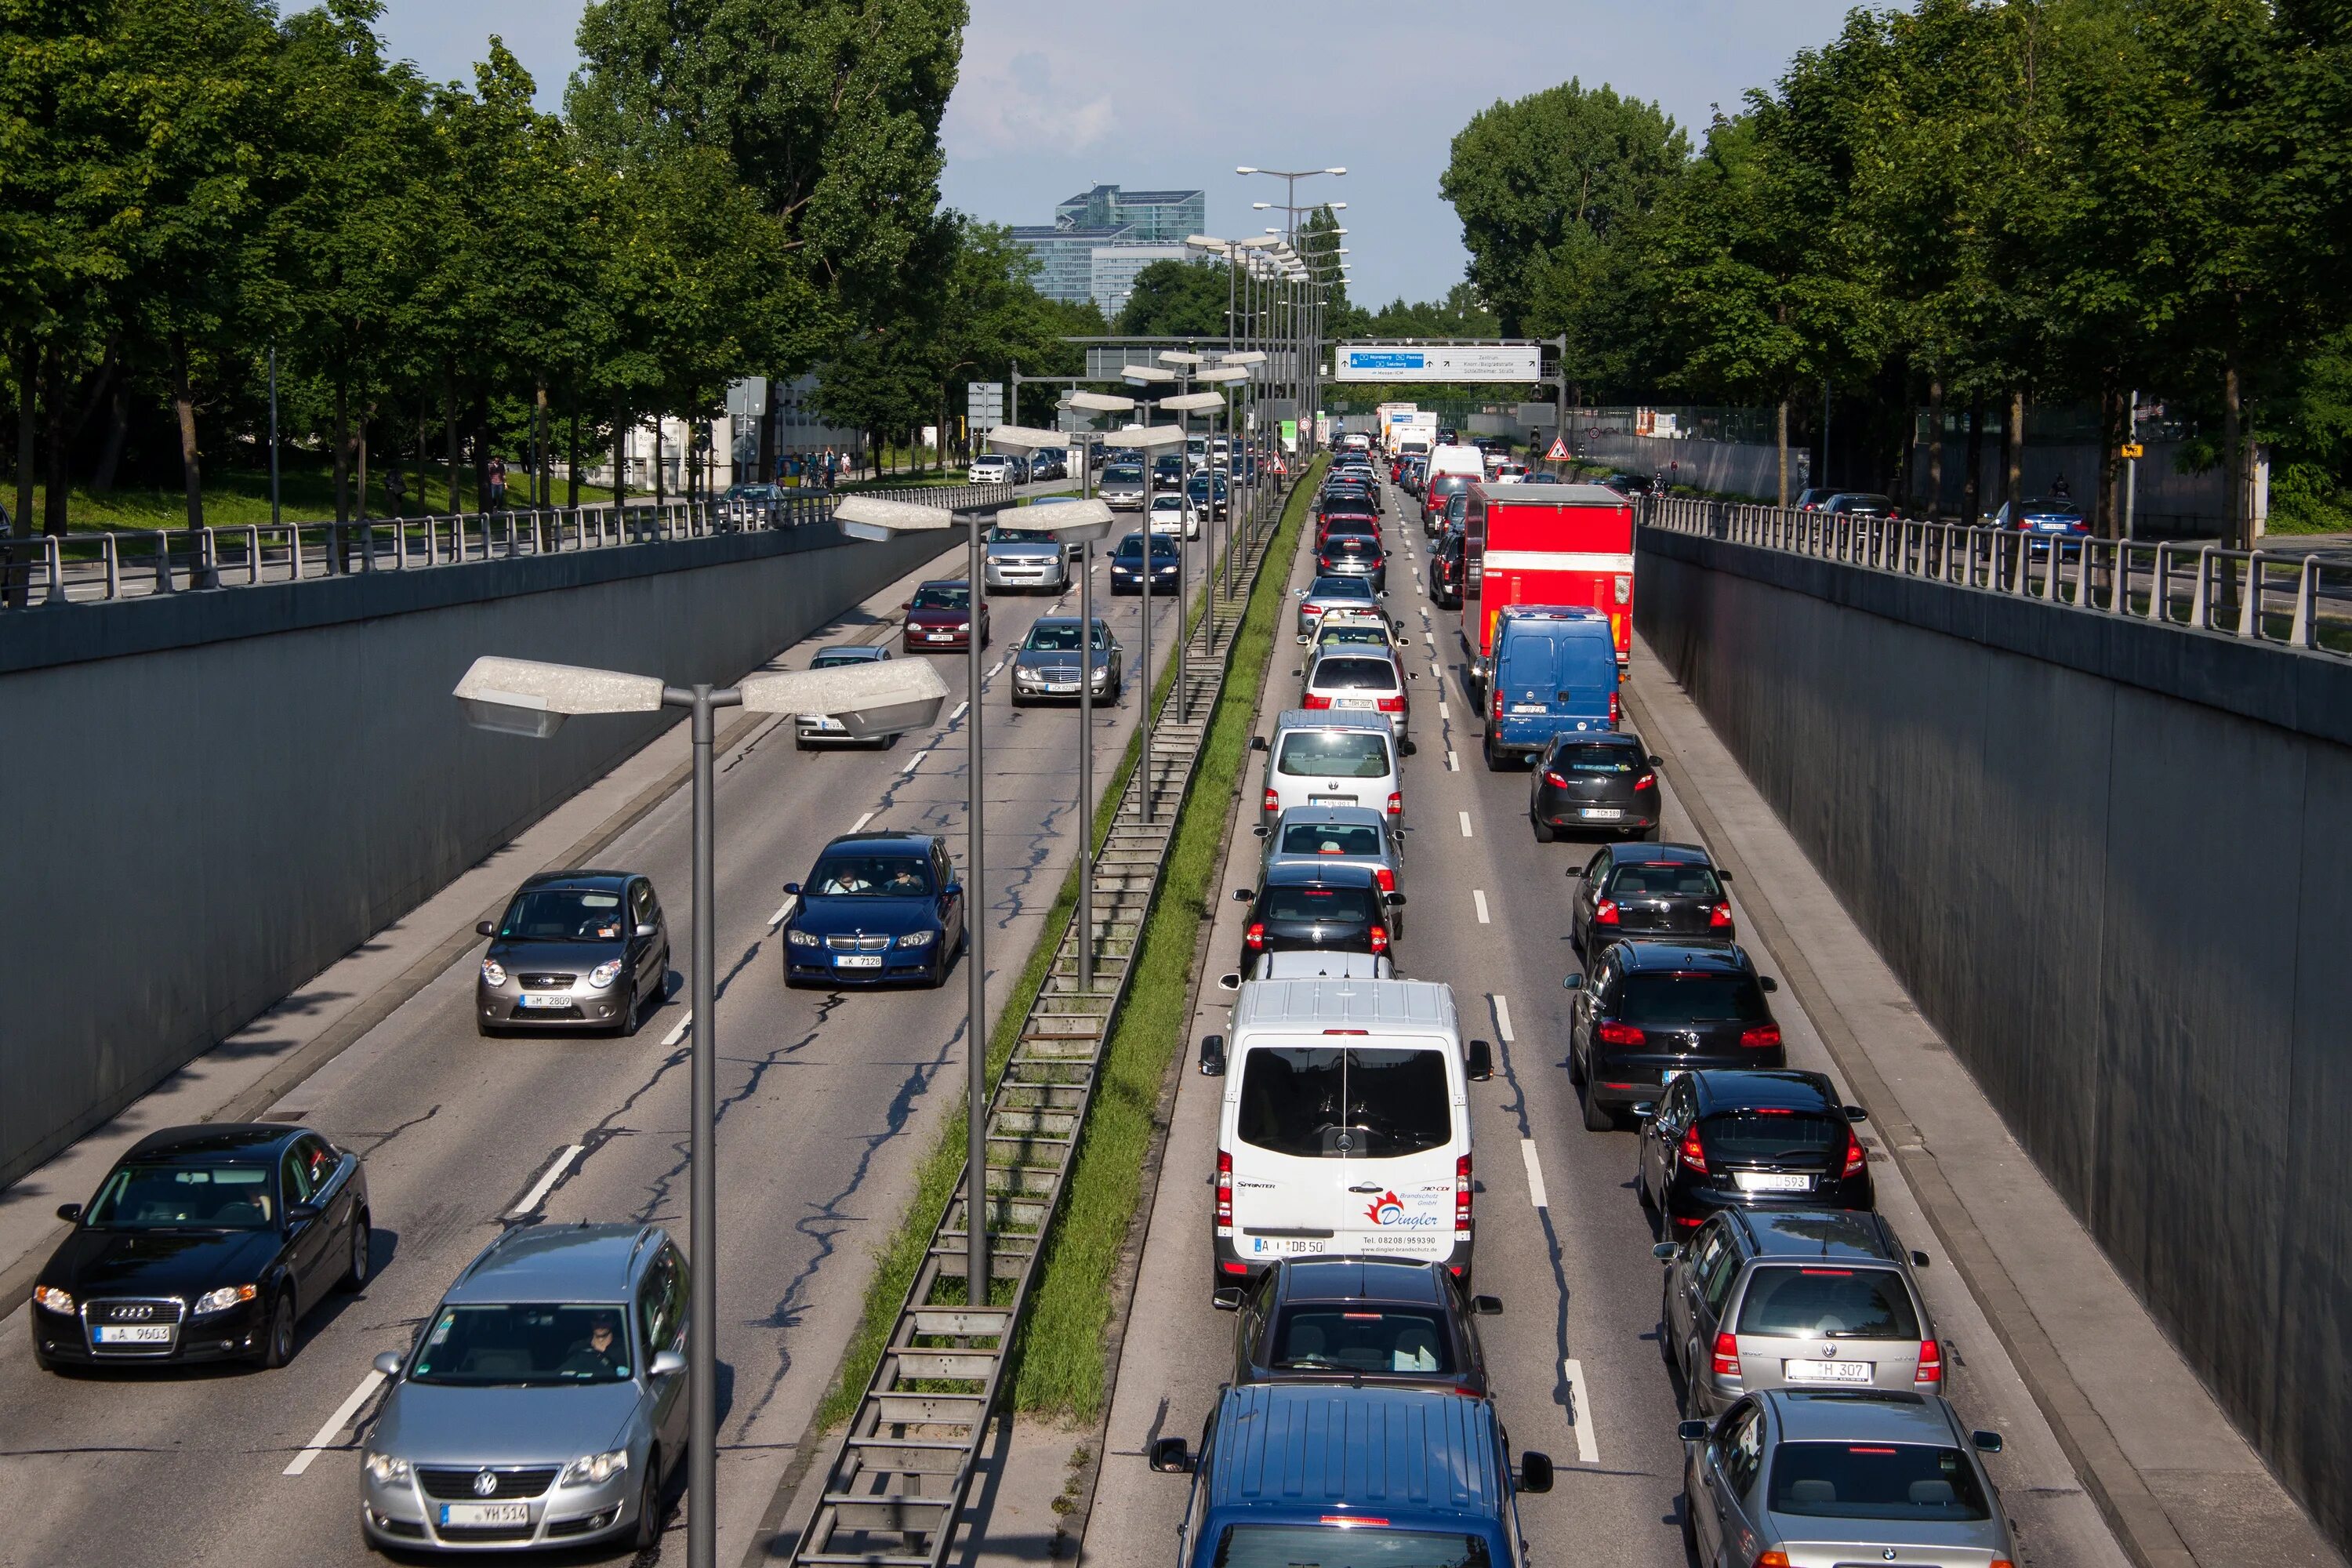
(1545, 545)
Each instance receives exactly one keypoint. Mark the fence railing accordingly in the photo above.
(99, 567)
(2298, 601)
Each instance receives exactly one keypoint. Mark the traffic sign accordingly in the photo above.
(1558, 453)
(2134, 449)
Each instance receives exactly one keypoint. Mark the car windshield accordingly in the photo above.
(1334, 755)
(1131, 549)
(1330, 838)
(871, 876)
(1003, 535)
(1317, 1102)
(1667, 1000)
(564, 914)
(1820, 1301)
(1062, 637)
(1921, 1481)
(1317, 1546)
(1362, 1337)
(184, 1197)
(941, 596)
(1768, 1135)
(1123, 474)
(1672, 879)
(534, 1344)
(1350, 672)
(1320, 906)
(1588, 758)
(1168, 502)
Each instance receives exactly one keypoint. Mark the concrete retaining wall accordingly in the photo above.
(209, 798)
(1719, 467)
(2110, 861)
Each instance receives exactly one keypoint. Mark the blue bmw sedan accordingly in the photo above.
(878, 907)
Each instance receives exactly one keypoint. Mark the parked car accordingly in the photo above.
(1795, 1299)
(1823, 1476)
(1812, 499)
(205, 1243)
(1332, 909)
(822, 730)
(1331, 759)
(1324, 594)
(1127, 565)
(544, 1400)
(1648, 1010)
(1590, 783)
(1337, 834)
(575, 950)
(1664, 890)
(878, 906)
(1360, 680)
(1025, 558)
(1860, 503)
(1047, 663)
(1722, 1138)
(939, 617)
(1358, 1320)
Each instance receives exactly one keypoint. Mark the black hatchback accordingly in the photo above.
(1594, 785)
(1325, 909)
(1723, 1139)
(1648, 889)
(1650, 1009)
(1357, 1320)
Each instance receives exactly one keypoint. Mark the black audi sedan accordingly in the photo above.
(575, 950)
(1649, 1009)
(204, 1244)
(1357, 1320)
(1673, 890)
(1328, 908)
(1721, 1138)
(1603, 785)
(878, 906)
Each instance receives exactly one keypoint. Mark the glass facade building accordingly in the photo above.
(1100, 240)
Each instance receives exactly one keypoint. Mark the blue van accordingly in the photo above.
(1555, 673)
(1282, 1466)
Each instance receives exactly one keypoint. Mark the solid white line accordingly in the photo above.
(1580, 1412)
(1465, 823)
(1503, 1016)
(1452, 762)
(677, 1031)
(335, 1423)
(1479, 897)
(859, 825)
(916, 760)
(960, 710)
(783, 911)
(1535, 1174)
(546, 1183)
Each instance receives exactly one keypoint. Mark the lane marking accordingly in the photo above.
(1465, 823)
(546, 1183)
(677, 1031)
(1452, 762)
(1579, 1413)
(1535, 1174)
(859, 825)
(1503, 1016)
(783, 910)
(335, 1423)
(1479, 897)
(1442, 711)
(993, 669)
(916, 760)
(960, 709)
(1431, 640)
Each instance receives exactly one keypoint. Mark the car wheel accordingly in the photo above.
(1544, 834)
(800, 743)
(1577, 1071)
(486, 1029)
(1649, 833)
(1494, 757)
(278, 1348)
(649, 1504)
(355, 1269)
(1597, 1117)
(1690, 1530)
(633, 1015)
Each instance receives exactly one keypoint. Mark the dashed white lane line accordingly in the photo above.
(677, 1030)
(1535, 1193)
(1478, 898)
(1503, 1016)
(1452, 762)
(916, 760)
(859, 825)
(783, 911)
(1580, 1412)
(993, 669)
(1465, 823)
(335, 1423)
(1428, 639)
(961, 710)
(1442, 711)
(546, 1183)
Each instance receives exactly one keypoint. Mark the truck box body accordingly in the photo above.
(1545, 545)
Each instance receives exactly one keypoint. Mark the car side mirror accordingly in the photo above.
(1918, 1258)
(1720, 874)
(1393, 901)
(1301, 671)
(1664, 1251)
(667, 1364)
(1573, 982)
(1260, 831)
(1244, 895)
(1486, 1306)
(1170, 1457)
(1645, 1110)
(1856, 1113)
(792, 888)
(1535, 1472)
(1986, 1442)
(1657, 762)
(1769, 984)
(297, 1214)
(388, 1364)
(648, 930)
(1691, 1431)
(71, 1212)
(1213, 1056)
(1298, 592)
(486, 927)
(1258, 743)
(1230, 981)
(1227, 1299)
(1479, 1061)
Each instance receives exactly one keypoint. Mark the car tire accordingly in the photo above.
(1690, 1530)
(1597, 1117)
(355, 1266)
(1543, 830)
(631, 1016)
(1649, 833)
(800, 743)
(650, 1505)
(1494, 758)
(277, 1346)
(1577, 1071)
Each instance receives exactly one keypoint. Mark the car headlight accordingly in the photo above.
(595, 1469)
(800, 938)
(384, 1468)
(916, 938)
(55, 1300)
(963, 625)
(222, 1300)
(603, 974)
(493, 973)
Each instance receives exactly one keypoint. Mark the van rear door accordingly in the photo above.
(1527, 678)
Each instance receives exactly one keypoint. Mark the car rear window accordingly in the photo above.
(1769, 1135)
(1317, 1102)
(1664, 880)
(1663, 1000)
(1328, 906)
(1918, 1481)
(1337, 588)
(1447, 484)
(1823, 1301)
(1330, 838)
(1351, 544)
(1333, 755)
(1346, 673)
(1592, 758)
(1323, 1546)
(1360, 1337)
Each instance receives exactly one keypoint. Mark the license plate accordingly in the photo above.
(941, 637)
(1601, 813)
(1827, 1370)
(464, 1513)
(1061, 686)
(857, 961)
(1353, 702)
(1771, 1181)
(1330, 800)
(134, 1334)
(1286, 1246)
(558, 999)
(1526, 707)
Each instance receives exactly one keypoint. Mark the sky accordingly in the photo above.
(1055, 96)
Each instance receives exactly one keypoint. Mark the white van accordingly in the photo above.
(1345, 1128)
(1325, 757)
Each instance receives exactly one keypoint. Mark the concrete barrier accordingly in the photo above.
(208, 798)
(2109, 859)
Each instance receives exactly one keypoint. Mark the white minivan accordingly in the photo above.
(1345, 1127)
(1327, 757)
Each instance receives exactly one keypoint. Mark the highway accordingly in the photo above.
(825, 1102)
(1561, 1238)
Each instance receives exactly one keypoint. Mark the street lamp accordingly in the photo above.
(1222, 376)
(526, 696)
(1148, 439)
(1189, 402)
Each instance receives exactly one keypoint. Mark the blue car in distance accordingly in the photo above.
(2043, 519)
(877, 908)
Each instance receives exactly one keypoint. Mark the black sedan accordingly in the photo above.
(1445, 564)
(1727, 1139)
(204, 1244)
(1651, 1009)
(1594, 784)
(1330, 909)
(575, 950)
(1127, 565)
(1648, 889)
(878, 906)
(1357, 1320)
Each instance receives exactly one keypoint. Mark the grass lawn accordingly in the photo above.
(236, 497)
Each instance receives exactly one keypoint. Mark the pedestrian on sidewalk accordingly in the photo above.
(497, 484)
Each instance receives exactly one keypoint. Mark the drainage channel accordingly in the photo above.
(894, 1490)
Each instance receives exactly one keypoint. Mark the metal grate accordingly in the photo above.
(512, 1482)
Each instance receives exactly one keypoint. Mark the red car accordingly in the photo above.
(939, 617)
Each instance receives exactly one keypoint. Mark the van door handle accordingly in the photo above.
(1367, 1187)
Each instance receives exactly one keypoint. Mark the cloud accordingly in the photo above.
(1014, 108)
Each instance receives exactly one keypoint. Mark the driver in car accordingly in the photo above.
(594, 1356)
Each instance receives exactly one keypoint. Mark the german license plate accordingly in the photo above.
(941, 637)
(1827, 1370)
(1330, 800)
(1353, 702)
(466, 1513)
(1286, 1246)
(555, 999)
(1602, 812)
(1771, 1181)
(1526, 707)
(857, 961)
(134, 1334)
(1061, 686)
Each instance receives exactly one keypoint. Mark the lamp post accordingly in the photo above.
(1189, 404)
(525, 697)
(1290, 178)
(1223, 377)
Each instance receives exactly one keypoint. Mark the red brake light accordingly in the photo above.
(1855, 1158)
(1646, 780)
(1272, 801)
(1719, 916)
(1606, 912)
(1763, 1037)
(1463, 1187)
(1689, 1152)
(1224, 1188)
(1314, 700)
(1552, 777)
(1931, 1363)
(1610, 1034)
(1614, 711)
(1255, 935)
(1727, 1355)
(1386, 877)
(1379, 937)
(1396, 803)
(1392, 704)
(1498, 701)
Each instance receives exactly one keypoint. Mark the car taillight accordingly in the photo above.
(1931, 1363)
(1689, 1152)
(1386, 877)
(1255, 935)
(1392, 704)
(1720, 915)
(1314, 700)
(1763, 1037)
(1611, 1034)
(1855, 1158)
(1555, 779)
(1379, 937)
(1615, 711)
(1396, 803)
(1225, 1189)
(1647, 780)
(1781, 1560)
(1498, 702)
(1462, 1187)
(1272, 801)
(1727, 1355)
(1606, 912)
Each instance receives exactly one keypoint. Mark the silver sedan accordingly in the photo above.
(1045, 665)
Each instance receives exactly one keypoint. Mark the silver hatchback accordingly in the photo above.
(544, 1401)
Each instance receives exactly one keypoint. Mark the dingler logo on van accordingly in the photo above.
(1386, 1209)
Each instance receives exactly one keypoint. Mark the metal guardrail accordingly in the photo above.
(2293, 601)
(45, 571)
(894, 1488)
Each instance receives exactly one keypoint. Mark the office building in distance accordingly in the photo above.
(1100, 240)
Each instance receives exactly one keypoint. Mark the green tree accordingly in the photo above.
(1177, 300)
